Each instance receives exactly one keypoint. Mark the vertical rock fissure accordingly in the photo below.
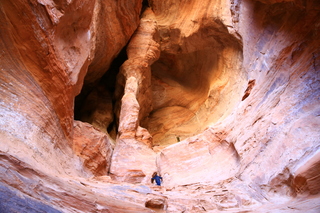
(95, 103)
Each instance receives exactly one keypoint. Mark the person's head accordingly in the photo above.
(154, 174)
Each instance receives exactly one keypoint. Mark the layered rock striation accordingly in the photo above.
(220, 97)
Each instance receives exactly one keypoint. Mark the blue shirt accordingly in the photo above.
(157, 179)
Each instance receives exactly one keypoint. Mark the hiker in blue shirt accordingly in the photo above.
(157, 178)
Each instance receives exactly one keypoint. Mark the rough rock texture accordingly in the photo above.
(221, 97)
(47, 47)
(306, 179)
(194, 78)
(133, 156)
(93, 146)
(156, 204)
(97, 108)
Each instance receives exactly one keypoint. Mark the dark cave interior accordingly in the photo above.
(95, 102)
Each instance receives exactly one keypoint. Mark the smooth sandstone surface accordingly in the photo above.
(222, 98)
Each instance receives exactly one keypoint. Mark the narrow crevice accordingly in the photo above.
(145, 4)
(95, 103)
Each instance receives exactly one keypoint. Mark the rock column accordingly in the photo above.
(133, 159)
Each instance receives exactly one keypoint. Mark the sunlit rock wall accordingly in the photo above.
(214, 94)
(46, 50)
(274, 128)
(198, 78)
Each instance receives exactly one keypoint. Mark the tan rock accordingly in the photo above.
(93, 146)
(181, 91)
(144, 136)
(200, 159)
(70, 192)
(111, 36)
(133, 160)
(195, 73)
(306, 178)
(156, 203)
(54, 52)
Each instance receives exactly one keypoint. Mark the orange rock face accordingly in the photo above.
(93, 146)
(133, 151)
(194, 72)
(221, 98)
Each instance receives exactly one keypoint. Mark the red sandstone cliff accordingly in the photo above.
(221, 97)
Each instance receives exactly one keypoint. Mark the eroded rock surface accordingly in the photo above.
(203, 158)
(194, 78)
(133, 148)
(93, 146)
(220, 97)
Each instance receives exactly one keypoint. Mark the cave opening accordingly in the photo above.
(193, 90)
(95, 103)
(145, 3)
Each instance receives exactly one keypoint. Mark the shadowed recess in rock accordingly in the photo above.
(95, 103)
(194, 88)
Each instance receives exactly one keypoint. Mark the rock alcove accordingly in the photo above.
(192, 85)
(220, 97)
(95, 103)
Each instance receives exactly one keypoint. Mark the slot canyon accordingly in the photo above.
(220, 97)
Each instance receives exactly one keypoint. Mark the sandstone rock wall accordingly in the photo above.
(133, 159)
(220, 97)
(47, 47)
(194, 78)
(284, 101)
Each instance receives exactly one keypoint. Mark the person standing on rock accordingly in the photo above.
(157, 178)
